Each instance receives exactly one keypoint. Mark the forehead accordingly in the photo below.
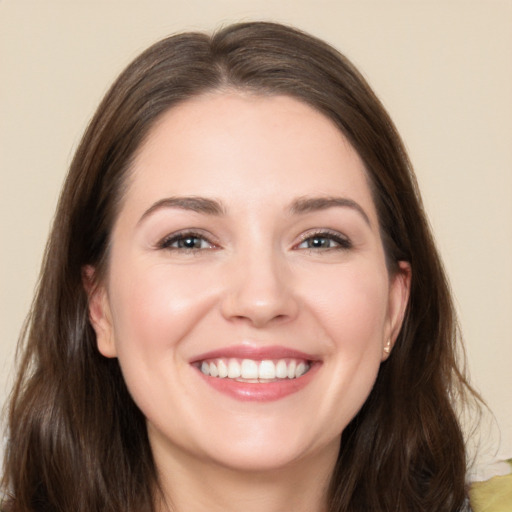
(246, 147)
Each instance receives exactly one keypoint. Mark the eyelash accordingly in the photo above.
(181, 236)
(342, 242)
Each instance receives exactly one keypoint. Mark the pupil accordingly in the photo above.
(318, 242)
(191, 243)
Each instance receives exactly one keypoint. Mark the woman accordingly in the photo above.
(241, 305)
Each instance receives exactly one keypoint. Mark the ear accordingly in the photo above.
(99, 312)
(400, 285)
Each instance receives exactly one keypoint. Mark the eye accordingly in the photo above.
(186, 241)
(324, 240)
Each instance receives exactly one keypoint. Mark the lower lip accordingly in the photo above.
(260, 392)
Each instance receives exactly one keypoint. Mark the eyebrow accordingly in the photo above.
(213, 207)
(312, 204)
(192, 203)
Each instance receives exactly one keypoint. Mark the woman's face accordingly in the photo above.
(247, 297)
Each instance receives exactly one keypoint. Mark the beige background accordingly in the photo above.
(442, 68)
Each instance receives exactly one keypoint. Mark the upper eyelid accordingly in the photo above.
(208, 237)
(343, 241)
(323, 232)
(184, 233)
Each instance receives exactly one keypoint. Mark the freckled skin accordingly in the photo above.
(252, 281)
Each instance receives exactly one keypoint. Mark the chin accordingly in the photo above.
(263, 458)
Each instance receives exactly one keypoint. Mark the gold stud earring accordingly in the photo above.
(387, 347)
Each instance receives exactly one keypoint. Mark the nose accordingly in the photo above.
(260, 291)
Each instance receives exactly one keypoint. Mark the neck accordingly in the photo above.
(187, 484)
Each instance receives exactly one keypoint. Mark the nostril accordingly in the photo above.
(258, 292)
(258, 314)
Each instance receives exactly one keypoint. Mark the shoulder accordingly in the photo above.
(494, 495)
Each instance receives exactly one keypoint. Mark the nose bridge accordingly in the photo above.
(261, 288)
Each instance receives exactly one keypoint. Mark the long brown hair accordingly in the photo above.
(76, 440)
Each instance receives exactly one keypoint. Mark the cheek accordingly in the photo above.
(154, 308)
(351, 304)
(153, 312)
(351, 308)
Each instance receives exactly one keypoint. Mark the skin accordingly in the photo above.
(255, 279)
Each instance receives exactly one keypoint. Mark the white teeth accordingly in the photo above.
(223, 369)
(281, 370)
(249, 369)
(291, 369)
(267, 370)
(300, 370)
(255, 371)
(233, 369)
(213, 370)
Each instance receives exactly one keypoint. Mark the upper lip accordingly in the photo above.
(257, 353)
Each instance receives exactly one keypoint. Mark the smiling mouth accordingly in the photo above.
(254, 371)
